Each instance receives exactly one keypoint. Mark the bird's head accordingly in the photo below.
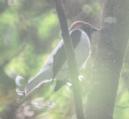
(87, 27)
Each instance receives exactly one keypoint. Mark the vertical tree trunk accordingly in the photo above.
(109, 59)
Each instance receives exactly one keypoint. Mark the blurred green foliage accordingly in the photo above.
(29, 30)
(26, 38)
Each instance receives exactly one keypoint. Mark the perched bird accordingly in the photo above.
(56, 66)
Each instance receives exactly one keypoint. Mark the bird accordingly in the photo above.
(56, 67)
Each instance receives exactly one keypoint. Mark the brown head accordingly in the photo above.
(87, 27)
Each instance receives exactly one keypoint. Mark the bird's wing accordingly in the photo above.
(59, 56)
(82, 52)
(83, 49)
(53, 64)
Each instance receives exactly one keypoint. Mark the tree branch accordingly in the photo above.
(71, 59)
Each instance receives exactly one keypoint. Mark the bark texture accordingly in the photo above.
(109, 59)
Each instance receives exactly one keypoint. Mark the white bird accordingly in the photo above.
(56, 66)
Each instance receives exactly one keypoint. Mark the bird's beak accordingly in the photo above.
(97, 29)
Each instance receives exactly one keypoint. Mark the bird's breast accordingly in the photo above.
(82, 51)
